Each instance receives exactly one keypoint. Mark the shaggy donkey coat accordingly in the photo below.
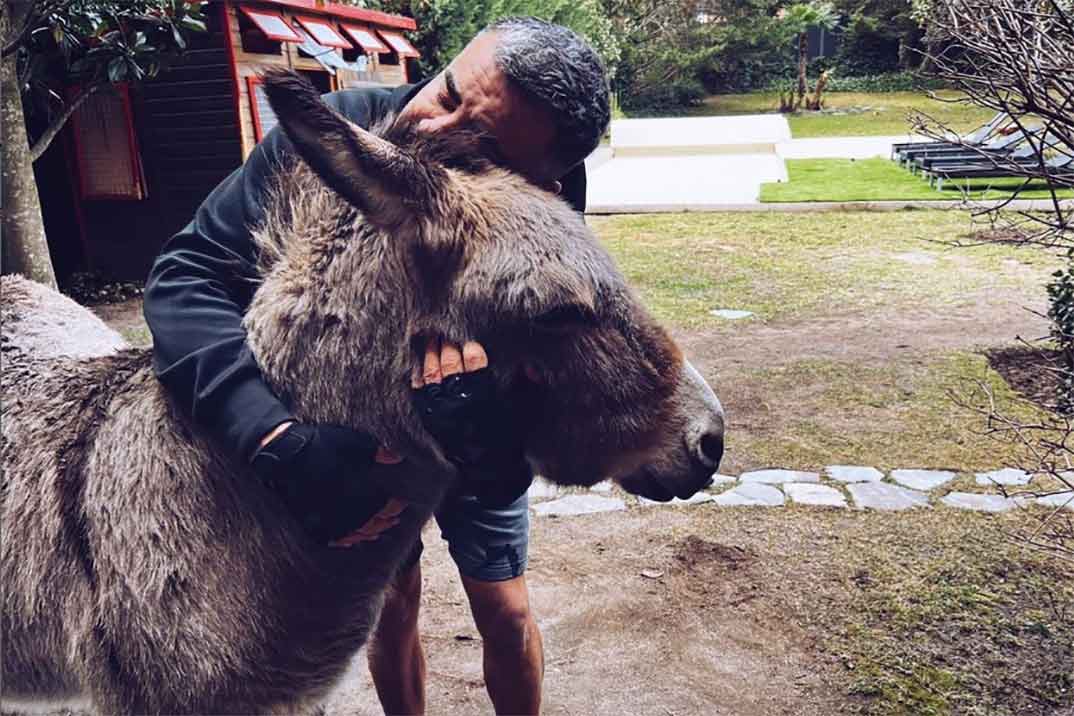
(144, 568)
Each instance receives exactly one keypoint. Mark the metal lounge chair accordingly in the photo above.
(1012, 146)
(977, 136)
(1061, 167)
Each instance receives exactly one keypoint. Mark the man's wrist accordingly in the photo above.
(275, 433)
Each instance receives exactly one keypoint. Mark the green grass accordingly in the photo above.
(790, 266)
(850, 114)
(881, 179)
(946, 615)
(888, 415)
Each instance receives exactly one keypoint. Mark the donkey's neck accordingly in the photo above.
(330, 324)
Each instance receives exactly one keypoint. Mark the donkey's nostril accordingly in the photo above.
(712, 447)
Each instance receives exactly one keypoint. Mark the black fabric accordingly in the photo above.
(478, 431)
(203, 281)
(316, 471)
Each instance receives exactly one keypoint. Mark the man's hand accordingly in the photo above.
(456, 397)
(317, 471)
(384, 455)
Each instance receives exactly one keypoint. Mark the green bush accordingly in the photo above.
(665, 99)
(890, 82)
(1061, 313)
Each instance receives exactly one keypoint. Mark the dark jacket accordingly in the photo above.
(203, 281)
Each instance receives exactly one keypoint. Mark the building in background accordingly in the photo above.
(134, 165)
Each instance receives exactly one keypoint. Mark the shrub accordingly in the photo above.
(1061, 313)
(667, 98)
(890, 82)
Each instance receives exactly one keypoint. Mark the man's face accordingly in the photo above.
(473, 92)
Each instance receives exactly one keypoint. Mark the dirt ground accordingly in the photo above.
(706, 636)
(725, 612)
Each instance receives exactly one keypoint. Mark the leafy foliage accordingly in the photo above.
(90, 43)
(1061, 312)
(445, 26)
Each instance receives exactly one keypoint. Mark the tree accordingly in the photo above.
(797, 19)
(1015, 57)
(49, 46)
(445, 26)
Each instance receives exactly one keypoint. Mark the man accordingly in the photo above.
(540, 93)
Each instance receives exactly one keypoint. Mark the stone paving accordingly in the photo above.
(859, 487)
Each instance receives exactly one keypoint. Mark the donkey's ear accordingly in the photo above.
(387, 184)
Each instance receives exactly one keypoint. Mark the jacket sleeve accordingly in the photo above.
(201, 284)
(195, 297)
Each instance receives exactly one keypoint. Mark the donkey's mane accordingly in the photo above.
(296, 196)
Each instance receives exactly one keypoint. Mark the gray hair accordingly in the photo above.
(557, 67)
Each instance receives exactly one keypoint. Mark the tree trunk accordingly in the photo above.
(803, 55)
(22, 231)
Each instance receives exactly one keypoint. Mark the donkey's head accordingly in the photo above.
(603, 390)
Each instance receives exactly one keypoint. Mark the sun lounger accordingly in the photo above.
(1061, 167)
(1012, 146)
(977, 136)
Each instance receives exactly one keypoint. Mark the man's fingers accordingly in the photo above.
(384, 520)
(430, 371)
(386, 456)
(474, 356)
(450, 359)
(393, 507)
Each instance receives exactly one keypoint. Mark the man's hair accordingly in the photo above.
(552, 64)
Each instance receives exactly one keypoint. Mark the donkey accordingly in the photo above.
(145, 569)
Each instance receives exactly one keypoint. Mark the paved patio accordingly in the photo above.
(705, 163)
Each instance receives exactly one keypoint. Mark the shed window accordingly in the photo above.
(264, 118)
(399, 44)
(272, 25)
(106, 147)
(323, 33)
(365, 38)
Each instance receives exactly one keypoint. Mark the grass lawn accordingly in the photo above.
(864, 322)
(877, 180)
(850, 114)
(793, 266)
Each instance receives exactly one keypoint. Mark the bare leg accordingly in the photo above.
(396, 660)
(514, 656)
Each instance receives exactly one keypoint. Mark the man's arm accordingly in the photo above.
(199, 288)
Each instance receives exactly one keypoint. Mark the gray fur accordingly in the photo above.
(146, 569)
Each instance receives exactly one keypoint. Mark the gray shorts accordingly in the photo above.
(489, 545)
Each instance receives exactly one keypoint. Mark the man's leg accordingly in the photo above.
(490, 547)
(396, 660)
(513, 653)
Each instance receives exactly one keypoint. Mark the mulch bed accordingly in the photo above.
(1035, 373)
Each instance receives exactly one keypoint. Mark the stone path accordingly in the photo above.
(837, 486)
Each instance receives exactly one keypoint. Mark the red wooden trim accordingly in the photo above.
(132, 142)
(353, 13)
(323, 23)
(233, 66)
(352, 29)
(251, 84)
(253, 15)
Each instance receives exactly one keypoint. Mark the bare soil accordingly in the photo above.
(640, 615)
(702, 610)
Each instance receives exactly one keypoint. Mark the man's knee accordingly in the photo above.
(510, 629)
(502, 613)
(402, 600)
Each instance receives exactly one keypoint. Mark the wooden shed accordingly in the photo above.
(134, 164)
